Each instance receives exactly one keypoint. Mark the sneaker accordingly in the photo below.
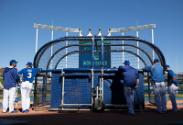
(5, 111)
(14, 111)
(25, 111)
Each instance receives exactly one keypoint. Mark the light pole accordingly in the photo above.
(37, 39)
(136, 29)
(67, 30)
(51, 39)
(138, 53)
(66, 50)
(123, 48)
(152, 34)
(54, 28)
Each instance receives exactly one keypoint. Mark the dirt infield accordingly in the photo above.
(149, 117)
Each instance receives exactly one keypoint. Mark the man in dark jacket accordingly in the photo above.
(131, 80)
(10, 77)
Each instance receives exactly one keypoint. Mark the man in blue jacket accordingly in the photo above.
(10, 77)
(131, 80)
(157, 73)
(28, 74)
(172, 87)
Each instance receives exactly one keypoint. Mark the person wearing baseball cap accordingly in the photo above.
(29, 64)
(28, 74)
(131, 80)
(10, 76)
(172, 87)
(13, 63)
(157, 75)
(126, 63)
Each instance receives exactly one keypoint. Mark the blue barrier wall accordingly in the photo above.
(78, 91)
(55, 90)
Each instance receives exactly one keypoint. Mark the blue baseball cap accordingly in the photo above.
(156, 60)
(29, 64)
(13, 62)
(120, 68)
(127, 62)
(167, 66)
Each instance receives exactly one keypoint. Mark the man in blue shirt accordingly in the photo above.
(157, 74)
(172, 87)
(27, 74)
(10, 77)
(131, 80)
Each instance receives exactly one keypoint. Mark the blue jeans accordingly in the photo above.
(160, 96)
(129, 95)
(172, 95)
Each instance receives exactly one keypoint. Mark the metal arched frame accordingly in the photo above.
(73, 52)
(97, 38)
(56, 52)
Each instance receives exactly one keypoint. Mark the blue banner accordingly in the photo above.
(87, 58)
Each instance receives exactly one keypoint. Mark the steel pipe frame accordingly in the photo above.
(56, 52)
(129, 38)
(73, 52)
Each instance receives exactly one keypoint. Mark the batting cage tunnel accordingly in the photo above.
(82, 72)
